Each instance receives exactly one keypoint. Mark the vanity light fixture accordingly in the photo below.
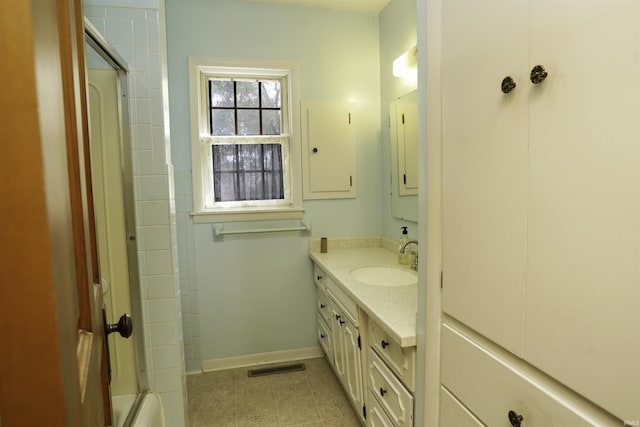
(406, 65)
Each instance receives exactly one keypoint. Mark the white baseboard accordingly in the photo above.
(261, 358)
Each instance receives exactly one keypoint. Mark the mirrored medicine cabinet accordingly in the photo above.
(403, 117)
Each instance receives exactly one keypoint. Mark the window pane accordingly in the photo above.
(222, 122)
(270, 94)
(247, 172)
(247, 94)
(271, 122)
(248, 122)
(221, 93)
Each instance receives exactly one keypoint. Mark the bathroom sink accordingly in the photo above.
(384, 276)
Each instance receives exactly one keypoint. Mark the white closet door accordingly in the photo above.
(583, 271)
(485, 165)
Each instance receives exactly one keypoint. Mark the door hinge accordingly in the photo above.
(359, 343)
(364, 411)
(402, 118)
(441, 279)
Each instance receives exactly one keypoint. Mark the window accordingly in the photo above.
(244, 152)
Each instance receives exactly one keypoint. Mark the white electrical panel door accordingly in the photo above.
(329, 150)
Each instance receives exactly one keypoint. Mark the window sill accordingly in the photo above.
(206, 217)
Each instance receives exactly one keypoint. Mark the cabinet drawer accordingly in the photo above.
(322, 301)
(375, 414)
(389, 392)
(401, 360)
(490, 383)
(347, 305)
(453, 413)
(325, 339)
(318, 275)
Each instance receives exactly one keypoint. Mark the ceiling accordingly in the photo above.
(372, 6)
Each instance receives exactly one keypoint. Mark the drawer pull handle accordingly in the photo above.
(337, 317)
(384, 344)
(323, 336)
(382, 392)
(515, 419)
(341, 322)
(319, 277)
(322, 306)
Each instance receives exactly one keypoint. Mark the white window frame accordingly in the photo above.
(202, 68)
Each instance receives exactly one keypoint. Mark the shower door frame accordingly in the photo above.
(101, 46)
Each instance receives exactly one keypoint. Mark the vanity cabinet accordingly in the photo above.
(374, 361)
(339, 336)
(391, 376)
(540, 194)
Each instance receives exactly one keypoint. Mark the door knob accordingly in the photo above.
(515, 419)
(508, 84)
(538, 74)
(124, 326)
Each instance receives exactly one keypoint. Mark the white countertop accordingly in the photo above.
(394, 308)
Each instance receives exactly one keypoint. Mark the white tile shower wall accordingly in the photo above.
(136, 33)
(188, 277)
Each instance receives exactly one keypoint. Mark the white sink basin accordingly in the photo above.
(384, 276)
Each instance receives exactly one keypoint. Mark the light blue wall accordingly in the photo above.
(397, 35)
(249, 295)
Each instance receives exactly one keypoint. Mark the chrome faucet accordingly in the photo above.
(414, 257)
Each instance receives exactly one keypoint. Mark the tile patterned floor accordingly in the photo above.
(310, 398)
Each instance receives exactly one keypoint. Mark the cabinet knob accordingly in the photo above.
(322, 306)
(337, 317)
(515, 419)
(322, 336)
(315, 149)
(538, 74)
(382, 391)
(318, 277)
(341, 322)
(508, 84)
(384, 344)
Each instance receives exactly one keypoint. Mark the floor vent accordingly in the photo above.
(276, 370)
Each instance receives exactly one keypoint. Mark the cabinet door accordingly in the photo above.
(339, 356)
(485, 165)
(407, 135)
(583, 274)
(353, 364)
(329, 151)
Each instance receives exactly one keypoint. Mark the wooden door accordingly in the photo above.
(485, 165)
(52, 357)
(583, 279)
